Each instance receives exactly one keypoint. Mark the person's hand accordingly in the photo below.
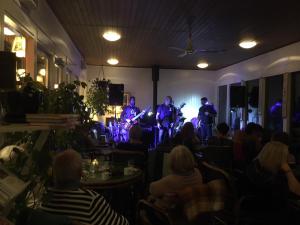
(206, 113)
(285, 167)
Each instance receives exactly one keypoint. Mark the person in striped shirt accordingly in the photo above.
(67, 198)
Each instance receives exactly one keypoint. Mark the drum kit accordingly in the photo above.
(118, 133)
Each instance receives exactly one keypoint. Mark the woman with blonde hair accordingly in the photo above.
(183, 174)
(271, 178)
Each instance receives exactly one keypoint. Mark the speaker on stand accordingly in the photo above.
(116, 95)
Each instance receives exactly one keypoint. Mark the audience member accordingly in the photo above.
(67, 198)
(284, 138)
(187, 136)
(222, 136)
(135, 140)
(252, 143)
(238, 141)
(271, 178)
(184, 174)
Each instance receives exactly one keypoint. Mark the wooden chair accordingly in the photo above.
(149, 214)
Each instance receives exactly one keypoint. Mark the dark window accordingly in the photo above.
(273, 113)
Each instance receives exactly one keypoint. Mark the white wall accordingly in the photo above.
(137, 81)
(187, 86)
(183, 85)
(283, 60)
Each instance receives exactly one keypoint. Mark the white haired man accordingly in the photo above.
(67, 198)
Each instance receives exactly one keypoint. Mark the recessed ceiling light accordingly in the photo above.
(8, 32)
(111, 36)
(112, 61)
(202, 65)
(247, 44)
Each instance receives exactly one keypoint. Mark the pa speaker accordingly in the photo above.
(7, 70)
(237, 96)
(116, 94)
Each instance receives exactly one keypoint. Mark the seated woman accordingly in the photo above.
(184, 174)
(187, 136)
(271, 178)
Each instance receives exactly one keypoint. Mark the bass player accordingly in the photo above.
(129, 112)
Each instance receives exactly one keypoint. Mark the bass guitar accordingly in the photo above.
(129, 122)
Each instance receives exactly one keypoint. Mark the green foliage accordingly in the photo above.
(97, 96)
(65, 99)
(27, 81)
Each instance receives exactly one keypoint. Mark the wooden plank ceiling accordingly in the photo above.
(149, 27)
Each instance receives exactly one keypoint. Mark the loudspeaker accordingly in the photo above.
(7, 70)
(237, 96)
(116, 94)
(253, 97)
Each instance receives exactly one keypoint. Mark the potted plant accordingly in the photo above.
(32, 93)
(97, 96)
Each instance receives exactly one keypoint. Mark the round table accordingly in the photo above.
(117, 179)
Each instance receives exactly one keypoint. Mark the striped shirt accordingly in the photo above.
(84, 206)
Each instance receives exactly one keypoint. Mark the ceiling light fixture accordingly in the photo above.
(113, 61)
(247, 44)
(111, 36)
(8, 32)
(202, 65)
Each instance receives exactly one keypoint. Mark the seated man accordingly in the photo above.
(222, 136)
(67, 198)
(135, 140)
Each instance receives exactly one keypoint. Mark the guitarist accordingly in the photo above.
(129, 112)
(165, 118)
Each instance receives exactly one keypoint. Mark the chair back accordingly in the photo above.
(220, 156)
(203, 200)
(30, 216)
(149, 214)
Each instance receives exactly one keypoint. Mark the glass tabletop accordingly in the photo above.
(100, 174)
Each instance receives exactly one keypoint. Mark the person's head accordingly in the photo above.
(223, 129)
(132, 101)
(181, 160)
(282, 137)
(135, 134)
(168, 100)
(188, 131)
(204, 101)
(273, 155)
(253, 129)
(67, 169)
(239, 136)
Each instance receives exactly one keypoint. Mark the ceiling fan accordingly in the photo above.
(189, 50)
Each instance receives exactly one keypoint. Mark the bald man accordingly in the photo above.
(67, 198)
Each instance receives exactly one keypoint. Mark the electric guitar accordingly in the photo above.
(129, 122)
